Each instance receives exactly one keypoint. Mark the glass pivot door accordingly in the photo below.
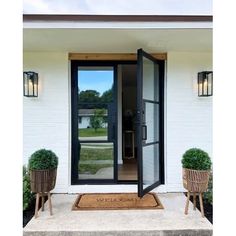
(149, 122)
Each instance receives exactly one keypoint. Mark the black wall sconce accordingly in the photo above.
(30, 84)
(205, 83)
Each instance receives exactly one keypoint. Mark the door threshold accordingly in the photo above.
(112, 188)
(115, 188)
(127, 182)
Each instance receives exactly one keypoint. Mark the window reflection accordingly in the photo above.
(95, 102)
(96, 122)
(96, 161)
(95, 85)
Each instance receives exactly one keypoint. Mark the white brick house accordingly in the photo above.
(67, 50)
(85, 118)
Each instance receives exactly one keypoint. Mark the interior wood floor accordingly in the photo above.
(127, 171)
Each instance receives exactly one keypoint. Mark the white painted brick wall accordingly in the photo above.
(46, 118)
(188, 118)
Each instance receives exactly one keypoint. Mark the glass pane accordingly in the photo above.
(95, 107)
(150, 85)
(95, 123)
(96, 161)
(95, 84)
(152, 121)
(210, 75)
(150, 165)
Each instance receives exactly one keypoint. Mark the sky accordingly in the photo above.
(104, 80)
(144, 7)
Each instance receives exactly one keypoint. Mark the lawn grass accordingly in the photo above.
(93, 154)
(96, 154)
(92, 168)
(95, 145)
(90, 132)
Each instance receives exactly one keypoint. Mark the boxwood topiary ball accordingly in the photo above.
(43, 159)
(196, 159)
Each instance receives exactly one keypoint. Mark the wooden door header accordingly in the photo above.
(112, 56)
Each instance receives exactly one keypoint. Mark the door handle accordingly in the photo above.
(113, 132)
(144, 132)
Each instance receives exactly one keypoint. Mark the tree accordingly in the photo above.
(89, 96)
(87, 99)
(107, 96)
(97, 120)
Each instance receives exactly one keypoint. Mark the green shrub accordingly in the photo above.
(43, 159)
(208, 195)
(196, 159)
(28, 196)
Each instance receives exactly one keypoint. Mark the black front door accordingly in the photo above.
(94, 122)
(150, 77)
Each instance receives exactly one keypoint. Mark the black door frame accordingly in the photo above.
(74, 123)
(140, 107)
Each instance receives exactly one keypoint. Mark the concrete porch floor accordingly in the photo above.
(167, 222)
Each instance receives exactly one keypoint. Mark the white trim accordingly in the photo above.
(116, 188)
(165, 120)
(175, 188)
(117, 25)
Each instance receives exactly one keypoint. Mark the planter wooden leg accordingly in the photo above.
(194, 201)
(42, 201)
(201, 204)
(187, 203)
(36, 205)
(50, 202)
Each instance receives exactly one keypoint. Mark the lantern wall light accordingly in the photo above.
(30, 84)
(205, 83)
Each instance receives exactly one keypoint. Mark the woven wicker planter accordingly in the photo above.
(195, 180)
(42, 181)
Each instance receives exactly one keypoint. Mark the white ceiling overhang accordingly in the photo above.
(117, 40)
(117, 37)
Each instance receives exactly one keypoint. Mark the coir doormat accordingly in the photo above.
(116, 201)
